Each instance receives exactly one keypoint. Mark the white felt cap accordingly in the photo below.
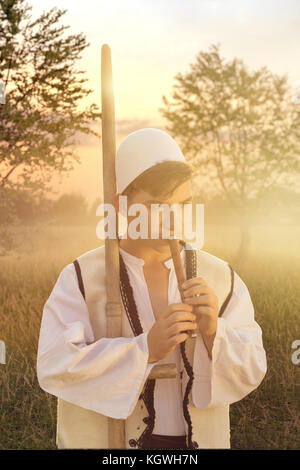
(142, 149)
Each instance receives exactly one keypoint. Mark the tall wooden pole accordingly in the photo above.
(116, 427)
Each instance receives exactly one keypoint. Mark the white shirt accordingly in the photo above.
(108, 375)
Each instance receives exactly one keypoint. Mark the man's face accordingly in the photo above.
(181, 195)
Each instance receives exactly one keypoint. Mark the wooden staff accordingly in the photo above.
(116, 427)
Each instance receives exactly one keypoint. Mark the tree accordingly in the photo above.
(239, 128)
(71, 209)
(42, 112)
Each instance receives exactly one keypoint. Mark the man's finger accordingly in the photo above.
(203, 310)
(177, 308)
(177, 328)
(180, 316)
(201, 300)
(198, 289)
(192, 282)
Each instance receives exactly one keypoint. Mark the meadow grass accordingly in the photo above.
(268, 418)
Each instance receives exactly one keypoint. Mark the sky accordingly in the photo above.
(152, 40)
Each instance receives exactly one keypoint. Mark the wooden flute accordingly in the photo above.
(180, 274)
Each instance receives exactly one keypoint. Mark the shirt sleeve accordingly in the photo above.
(105, 376)
(238, 363)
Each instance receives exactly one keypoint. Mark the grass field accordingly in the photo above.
(267, 419)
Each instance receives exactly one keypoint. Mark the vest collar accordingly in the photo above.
(140, 261)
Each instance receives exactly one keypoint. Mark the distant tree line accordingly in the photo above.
(279, 206)
(24, 207)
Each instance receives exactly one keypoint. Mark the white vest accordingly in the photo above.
(207, 428)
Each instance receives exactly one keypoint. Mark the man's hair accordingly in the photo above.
(161, 179)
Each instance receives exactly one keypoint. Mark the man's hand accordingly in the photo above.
(168, 330)
(205, 305)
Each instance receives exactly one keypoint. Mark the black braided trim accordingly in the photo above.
(128, 300)
(191, 271)
(186, 413)
(79, 278)
(226, 301)
(148, 398)
(132, 314)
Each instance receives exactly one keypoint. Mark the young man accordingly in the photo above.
(95, 377)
